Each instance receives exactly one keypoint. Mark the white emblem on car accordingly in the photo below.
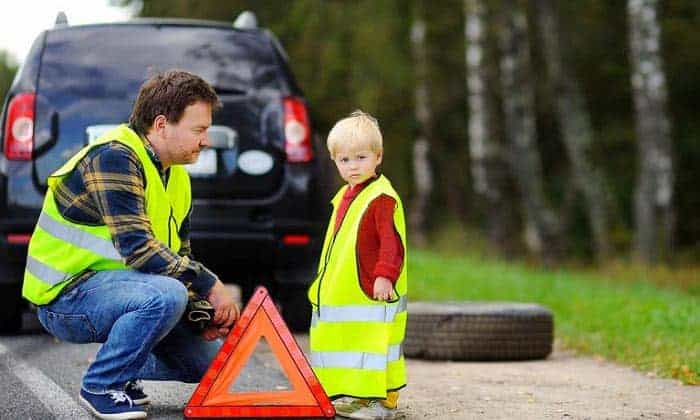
(255, 162)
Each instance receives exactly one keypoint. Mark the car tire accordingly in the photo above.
(289, 295)
(11, 303)
(478, 331)
(296, 309)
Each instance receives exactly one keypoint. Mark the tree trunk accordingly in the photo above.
(576, 129)
(653, 201)
(422, 173)
(487, 162)
(542, 230)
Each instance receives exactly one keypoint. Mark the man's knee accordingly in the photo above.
(168, 295)
(176, 298)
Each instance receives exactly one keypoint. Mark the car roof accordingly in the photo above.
(162, 22)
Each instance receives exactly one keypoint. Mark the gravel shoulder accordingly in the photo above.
(563, 386)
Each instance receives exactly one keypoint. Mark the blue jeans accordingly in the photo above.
(136, 317)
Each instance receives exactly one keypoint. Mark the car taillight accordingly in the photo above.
(297, 131)
(19, 127)
(19, 238)
(292, 240)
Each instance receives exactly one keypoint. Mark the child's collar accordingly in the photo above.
(364, 184)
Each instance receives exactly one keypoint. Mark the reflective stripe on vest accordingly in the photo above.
(356, 360)
(60, 249)
(355, 341)
(78, 237)
(359, 313)
(44, 272)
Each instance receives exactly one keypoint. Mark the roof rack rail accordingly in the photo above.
(246, 20)
(61, 19)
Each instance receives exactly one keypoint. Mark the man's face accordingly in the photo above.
(357, 166)
(185, 139)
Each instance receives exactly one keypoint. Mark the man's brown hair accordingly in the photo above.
(168, 94)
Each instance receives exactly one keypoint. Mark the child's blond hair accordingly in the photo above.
(354, 132)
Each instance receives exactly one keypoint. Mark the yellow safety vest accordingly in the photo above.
(355, 341)
(60, 249)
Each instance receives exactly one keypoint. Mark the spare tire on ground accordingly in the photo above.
(478, 331)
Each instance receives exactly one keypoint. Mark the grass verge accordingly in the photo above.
(651, 328)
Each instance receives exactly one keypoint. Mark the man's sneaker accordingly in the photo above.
(112, 405)
(134, 389)
(374, 410)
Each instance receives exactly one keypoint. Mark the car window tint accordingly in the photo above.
(114, 60)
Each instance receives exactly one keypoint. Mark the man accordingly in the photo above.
(110, 261)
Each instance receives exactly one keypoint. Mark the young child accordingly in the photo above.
(359, 294)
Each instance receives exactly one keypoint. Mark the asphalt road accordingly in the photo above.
(41, 378)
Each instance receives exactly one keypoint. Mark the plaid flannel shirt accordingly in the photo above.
(108, 187)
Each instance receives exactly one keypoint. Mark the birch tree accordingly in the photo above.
(576, 128)
(653, 199)
(487, 165)
(542, 230)
(422, 173)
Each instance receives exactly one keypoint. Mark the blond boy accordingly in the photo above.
(359, 294)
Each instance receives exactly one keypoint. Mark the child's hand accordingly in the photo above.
(383, 289)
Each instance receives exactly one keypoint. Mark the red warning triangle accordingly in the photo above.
(260, 319)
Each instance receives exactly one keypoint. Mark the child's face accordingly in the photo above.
(357, 165)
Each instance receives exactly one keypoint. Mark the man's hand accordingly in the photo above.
(225, 312)
(383, 289)
(213, 332)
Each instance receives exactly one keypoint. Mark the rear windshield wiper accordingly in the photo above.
(229, 91)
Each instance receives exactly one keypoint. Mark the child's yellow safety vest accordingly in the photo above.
(356, 342)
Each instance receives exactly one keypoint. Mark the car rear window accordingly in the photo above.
(118, 58)
(90, 75)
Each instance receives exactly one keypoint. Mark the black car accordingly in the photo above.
(258, 197)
